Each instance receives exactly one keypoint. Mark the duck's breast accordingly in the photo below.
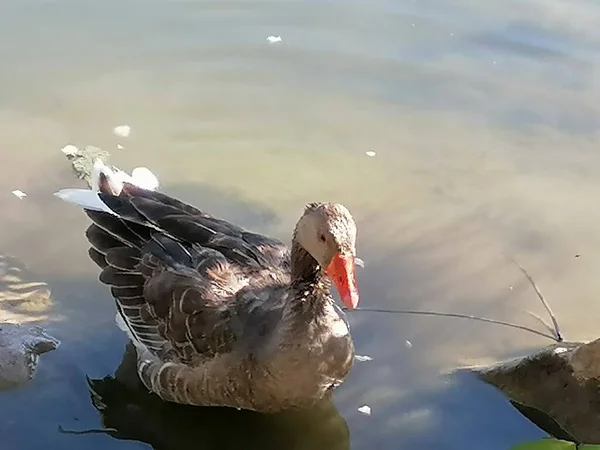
(307, 365)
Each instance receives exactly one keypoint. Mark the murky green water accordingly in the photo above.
(484, 121)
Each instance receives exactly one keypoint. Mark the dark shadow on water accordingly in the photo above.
(132, 413)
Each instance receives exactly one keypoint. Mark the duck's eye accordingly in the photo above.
(322, 237)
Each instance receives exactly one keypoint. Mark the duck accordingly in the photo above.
(219, 315)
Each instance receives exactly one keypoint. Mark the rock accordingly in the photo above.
(83, 161)
(561, 381)
(22, 299)
(20, 348)
(87, 162)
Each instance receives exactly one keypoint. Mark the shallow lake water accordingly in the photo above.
(484, 122)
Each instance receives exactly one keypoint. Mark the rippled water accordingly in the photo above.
(484, 120)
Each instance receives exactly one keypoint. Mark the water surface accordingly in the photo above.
(484, 121)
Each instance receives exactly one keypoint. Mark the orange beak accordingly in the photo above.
(341, 271)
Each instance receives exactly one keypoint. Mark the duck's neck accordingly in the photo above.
(304, 267)
(309, 288)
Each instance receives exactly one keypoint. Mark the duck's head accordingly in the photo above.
(328, 233)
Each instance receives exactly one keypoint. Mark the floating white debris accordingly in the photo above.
(559, 350)
(359, 262)
(70, 150)
(366, 410)
(144, 178)
(370, 153)
(408, 344)
(273, 39)
(140, 176)
(122, 130)
(119, 147)
(363, 358)
(19, 194)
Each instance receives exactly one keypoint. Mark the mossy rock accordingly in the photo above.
(82, 161)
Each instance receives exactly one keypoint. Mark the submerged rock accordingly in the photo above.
(83, 160)
(22, 299)
(90, 162)
(20, 348)
(561, 381)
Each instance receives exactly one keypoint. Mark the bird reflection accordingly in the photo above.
(129, 412)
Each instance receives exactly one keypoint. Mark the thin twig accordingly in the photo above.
(460, 316)
(556, 330)
(90, 431)
(546, 325)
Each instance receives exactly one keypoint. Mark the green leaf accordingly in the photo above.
(548, 444)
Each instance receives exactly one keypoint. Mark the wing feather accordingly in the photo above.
(183, 281)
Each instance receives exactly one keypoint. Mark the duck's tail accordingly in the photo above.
(108, 180)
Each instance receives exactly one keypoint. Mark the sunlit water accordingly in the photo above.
(484, 121)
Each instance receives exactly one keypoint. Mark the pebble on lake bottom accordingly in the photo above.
(273, 39)
(19, 194)
(370, 153)
(122, 130)
(363, 358)
(366, 410)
